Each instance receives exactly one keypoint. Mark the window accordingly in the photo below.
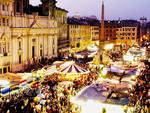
(3, 20)
(7, 21)
(19, 59)
(53, 41)
(8, 47)
(34, 40)
(19, 44)
(4, 48)
(78, 44)
(1, 71)
(8, 68)
(41, 51)
(7, 7)
(0, 48)
(3, 7)
(4, 70)
(133, 29)
(41, 46)
(53, 51)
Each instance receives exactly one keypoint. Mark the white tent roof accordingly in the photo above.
(98, 92)
(71, 67)
(65, 68)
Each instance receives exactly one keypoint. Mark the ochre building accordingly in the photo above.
(25, 35)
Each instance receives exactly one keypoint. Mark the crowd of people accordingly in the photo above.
(57, 94)
(14, 103)
(35, 63)
(55, 99)
(53, 95)
(139, 94)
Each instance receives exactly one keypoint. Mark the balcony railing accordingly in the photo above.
(65, 41)
(5, 60)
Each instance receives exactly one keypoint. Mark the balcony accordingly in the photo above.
(5, 60)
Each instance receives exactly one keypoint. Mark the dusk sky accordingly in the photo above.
(114, 9)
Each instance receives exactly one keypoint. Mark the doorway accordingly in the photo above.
(33, 51)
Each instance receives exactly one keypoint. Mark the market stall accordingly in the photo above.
(11, 82)
(70, 70)
(67, 70)
(99, 96)
(85, 53)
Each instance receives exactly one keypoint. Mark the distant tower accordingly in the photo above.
(101, 35)
(143, 29)
(102, 26)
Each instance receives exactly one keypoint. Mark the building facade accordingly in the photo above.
(49, 8)
(63, 39)
(82, 31)
(79, 33)
(95, 33)
(147, 38)
(126, 35)
(123, 33)
(143, 29)
(148, 34)
(120, 32)
(74, 34)
(110, 30)
(24, 37)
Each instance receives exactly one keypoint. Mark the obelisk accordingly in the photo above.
(102, 31)
(101, 34)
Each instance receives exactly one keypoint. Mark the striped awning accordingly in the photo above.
(73, 68)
